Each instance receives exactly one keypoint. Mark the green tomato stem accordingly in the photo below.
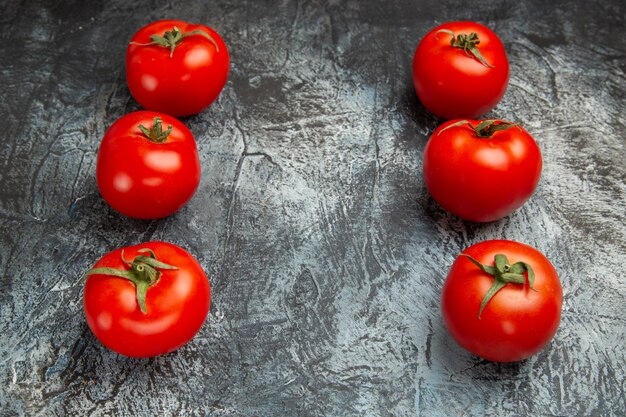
(156, 133)
(172, 38)
(143, 273)
(467, 43)
(504, 273)
(485, 129)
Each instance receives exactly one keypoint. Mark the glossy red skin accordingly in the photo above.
(143, 179)
(452, 84)
(177, 305)
(180, 85)
(481, 179)
(517, 322)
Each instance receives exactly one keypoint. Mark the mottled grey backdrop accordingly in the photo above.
(325, 252)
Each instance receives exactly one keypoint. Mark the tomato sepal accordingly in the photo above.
(484, 129)
(467, 43)
(156, 133)
(143, 273)
(504, 273)
(172, 38)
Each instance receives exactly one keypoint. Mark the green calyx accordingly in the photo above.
(172, 38)
(504, 273)
(156, 133)
(484, 129)
(467, 43)
(143, 273)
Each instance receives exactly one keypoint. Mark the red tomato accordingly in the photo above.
(176, 67)
(175, 301)
(517, 321)
(478, 171)
(147, 174)
(466, 79)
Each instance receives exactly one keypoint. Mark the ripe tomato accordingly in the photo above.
(146, 300)
(502, 311)
(460, 69)
(481, 170)
(144, 171)
(176, 67)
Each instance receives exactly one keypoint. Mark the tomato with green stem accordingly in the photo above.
(145, 170)
(502, 300)
(146, 300)
(460, 70)
(176, 67)
(481, 170)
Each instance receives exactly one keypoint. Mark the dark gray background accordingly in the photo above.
(325, 253)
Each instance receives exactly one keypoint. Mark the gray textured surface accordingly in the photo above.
(325, 253)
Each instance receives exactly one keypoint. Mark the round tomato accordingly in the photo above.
(176, 67)
(502, 300)
(481, 170)
(146, 300)
(144, 170)
(460, 69)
